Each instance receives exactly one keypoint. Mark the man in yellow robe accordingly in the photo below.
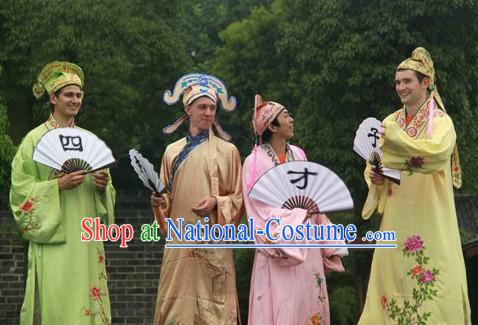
(66, 278)
(202, 174)
(423, 281)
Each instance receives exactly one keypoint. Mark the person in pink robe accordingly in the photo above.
(288, 284)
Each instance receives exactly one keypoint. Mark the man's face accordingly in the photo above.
(68, 102)
(201, 113)
(285, 129)
(409, 89)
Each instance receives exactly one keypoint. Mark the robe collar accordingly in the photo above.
(52, 123)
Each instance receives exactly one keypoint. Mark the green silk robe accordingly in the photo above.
(66, 279)
(427, 271)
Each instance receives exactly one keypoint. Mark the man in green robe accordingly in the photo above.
(66, 279)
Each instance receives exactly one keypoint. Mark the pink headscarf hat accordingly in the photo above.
(264, 114)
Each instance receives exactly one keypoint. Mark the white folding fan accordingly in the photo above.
(145, 171)
(302, 184)
(366, 145)
(72, 149)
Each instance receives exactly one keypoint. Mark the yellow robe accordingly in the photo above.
(198, 286)
(422, 205)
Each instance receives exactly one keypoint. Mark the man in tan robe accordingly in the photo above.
(202, 174)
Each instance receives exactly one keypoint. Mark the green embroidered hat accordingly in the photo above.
(56, 75)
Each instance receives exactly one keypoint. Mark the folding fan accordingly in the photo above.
(150, 179)
(302, 184)
(145, 171)
(72, 149)
(366, 145)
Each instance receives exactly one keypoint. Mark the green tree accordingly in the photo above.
(202, 22)
(250, 64)
(344, 57)
(332, 63)
(129, 56)
(7, 149)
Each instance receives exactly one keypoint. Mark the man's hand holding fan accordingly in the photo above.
(366, 146)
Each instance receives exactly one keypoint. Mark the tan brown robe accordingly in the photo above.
(198, 286)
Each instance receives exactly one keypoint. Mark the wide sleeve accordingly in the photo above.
(263, 214)
(35, 200)
(376, 197)
(332, 257)
(164, 176)
(162, 212)
(105, 202)
(425, 155)
(229, 201)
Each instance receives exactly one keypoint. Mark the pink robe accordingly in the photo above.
(288, 284)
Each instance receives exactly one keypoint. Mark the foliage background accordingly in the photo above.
(330, 62)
